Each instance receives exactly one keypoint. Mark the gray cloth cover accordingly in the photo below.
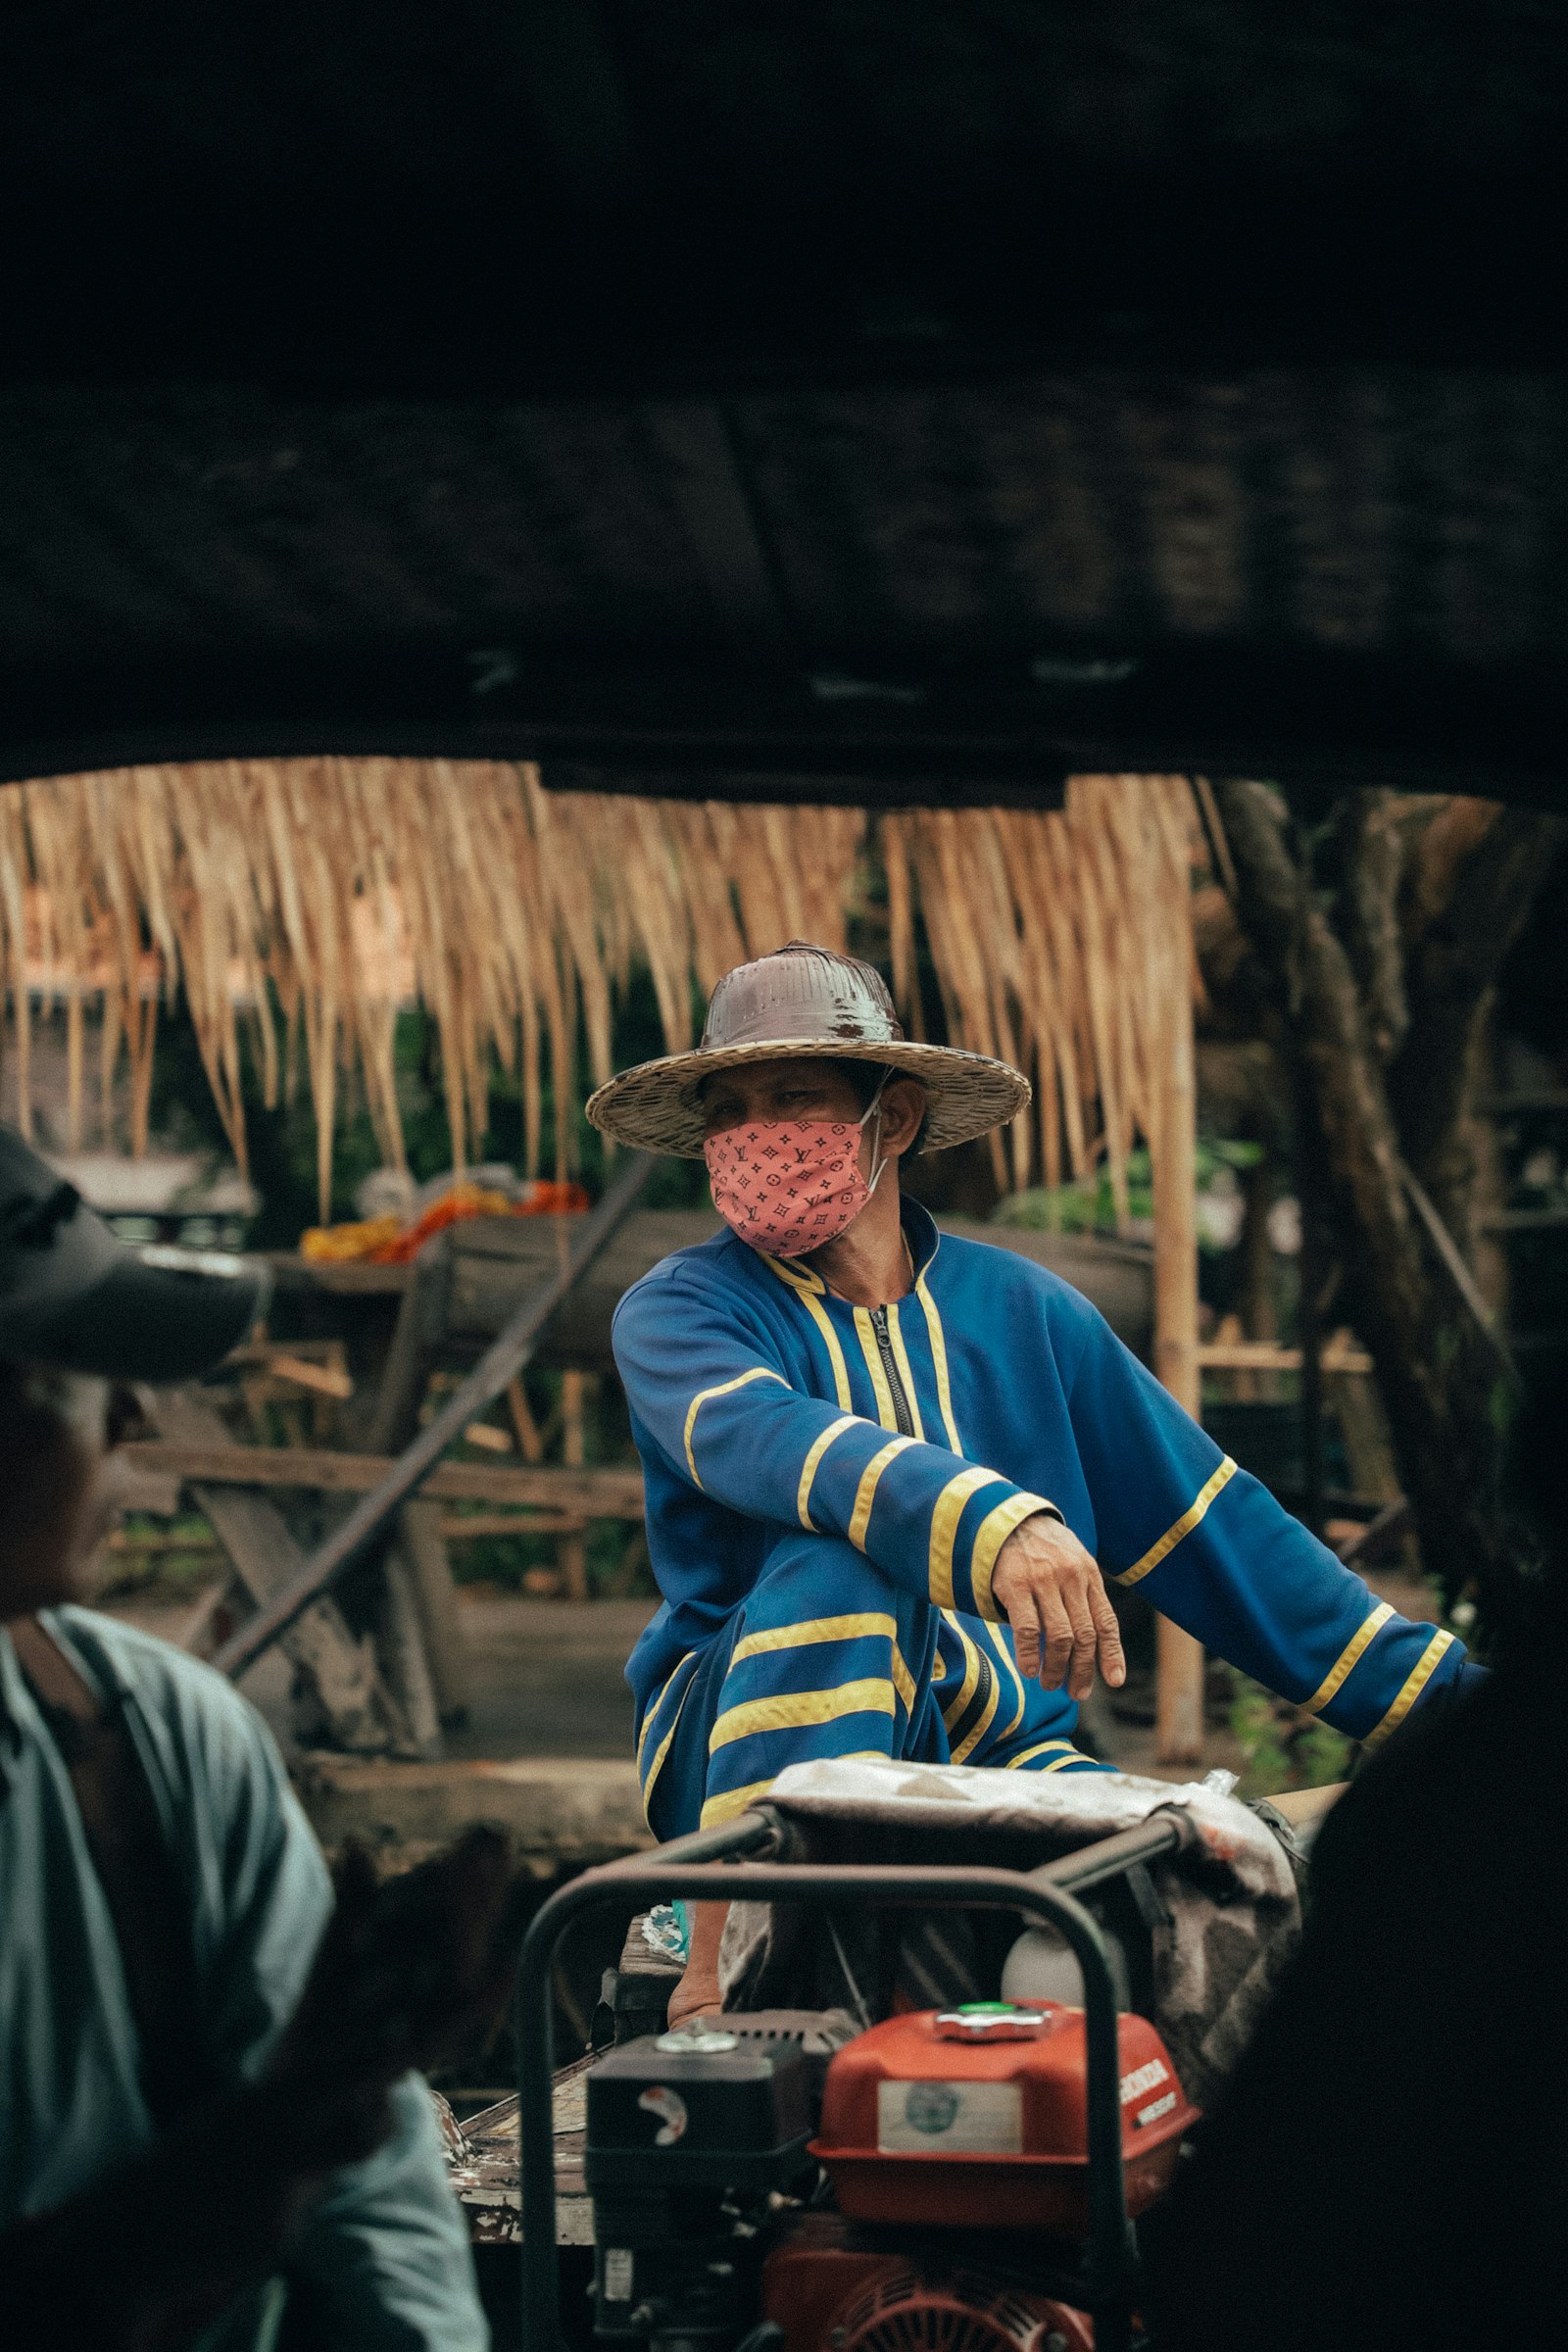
(1232, 1904)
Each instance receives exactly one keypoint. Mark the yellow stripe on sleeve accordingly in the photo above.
(990, 1536)
(944, 1529)
(887, 1418)
(901, 1356)
(809, 1468)
(939, 1362)
(725, 1388)
(1364, 1634)
(1184, 1526)
(866, 1492)
(814, 1629)
(1435, 1649)
(1064, 1763)
(793, 1710)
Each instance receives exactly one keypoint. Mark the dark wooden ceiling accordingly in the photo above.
(864, 396)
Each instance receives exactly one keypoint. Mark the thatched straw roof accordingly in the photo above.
(306, 899)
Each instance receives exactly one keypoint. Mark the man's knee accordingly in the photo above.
(809, 1576)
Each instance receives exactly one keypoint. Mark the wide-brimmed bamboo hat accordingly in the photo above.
(804, 1000)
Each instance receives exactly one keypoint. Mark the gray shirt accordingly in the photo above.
(387, 2251)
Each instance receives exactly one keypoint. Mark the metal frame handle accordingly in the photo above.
(748, 1860)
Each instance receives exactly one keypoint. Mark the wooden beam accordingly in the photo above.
(337, 1670)
(1266, 1355)
(592, 1492)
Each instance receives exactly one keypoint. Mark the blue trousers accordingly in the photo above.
(827, 1656)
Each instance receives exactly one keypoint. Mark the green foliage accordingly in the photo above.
(1281, 1746)
(1088, 1207)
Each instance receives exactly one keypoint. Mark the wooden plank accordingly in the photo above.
(596, 1492)
(339, 1675)
(1266, 1355)
(421, 1540)
(571, 1552)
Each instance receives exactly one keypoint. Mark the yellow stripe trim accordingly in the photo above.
(939, 1362)
(810, 1289)
(866, 1492)
(1431, 1656)
(990, 1536)
(814, 1629)
(901, 1356)
(864, 1332)
(1367, 1632)
(654, 1706)
(809, 1468)
(797, 1708)
(944, 1529)
(732, 1801)
(1062, 1763)
(952, 1712)
(1041, 1748)
(971, 1739)
(725, 1388)
(840, 1371)
(903, 1680)
(799, 1278)
(1184, 1526)
(999, 1643)
(657, 1764)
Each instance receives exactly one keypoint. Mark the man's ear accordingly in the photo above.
(903, 1108)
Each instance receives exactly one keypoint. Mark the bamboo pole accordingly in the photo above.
(571, 1552)
(1179, 1658)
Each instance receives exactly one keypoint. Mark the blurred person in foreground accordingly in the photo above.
(1388, 2167)
(190, 2111)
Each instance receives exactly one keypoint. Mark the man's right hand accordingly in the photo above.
(1054, 1599)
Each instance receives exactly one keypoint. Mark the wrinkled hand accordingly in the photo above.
(1054, 1599)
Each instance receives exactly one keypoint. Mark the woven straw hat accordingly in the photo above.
(802, 1000)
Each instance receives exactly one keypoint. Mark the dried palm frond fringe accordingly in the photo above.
(313, 897)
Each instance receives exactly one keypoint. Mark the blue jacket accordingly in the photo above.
(924, 1432)
(387, 2250)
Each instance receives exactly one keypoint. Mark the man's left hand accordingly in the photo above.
(1054, 1599)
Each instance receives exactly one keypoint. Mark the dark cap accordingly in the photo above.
(73, 1293)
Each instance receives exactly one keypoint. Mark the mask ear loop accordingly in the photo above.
(878, 1167)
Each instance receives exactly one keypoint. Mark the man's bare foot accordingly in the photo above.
(698, 1990)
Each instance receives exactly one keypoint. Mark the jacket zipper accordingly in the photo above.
(903, 1418)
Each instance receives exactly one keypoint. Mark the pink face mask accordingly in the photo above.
(787, 1185)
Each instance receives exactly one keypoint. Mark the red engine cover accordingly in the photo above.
(829, 2296)
(976, 2119)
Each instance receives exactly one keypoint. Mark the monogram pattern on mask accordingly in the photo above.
(792, 1182)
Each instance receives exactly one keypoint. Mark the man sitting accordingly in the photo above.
(883, 1474)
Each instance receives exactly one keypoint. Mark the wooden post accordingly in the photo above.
(1179, 1659)
(571, 1552)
